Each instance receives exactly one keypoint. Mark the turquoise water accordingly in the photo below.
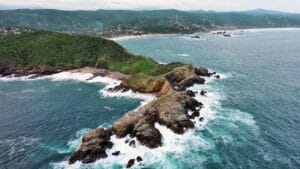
(252, 113)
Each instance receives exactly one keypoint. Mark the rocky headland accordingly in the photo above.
(42, 53)
(169, 109)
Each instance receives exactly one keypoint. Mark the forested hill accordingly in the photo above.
(61, 51)
(113, 22)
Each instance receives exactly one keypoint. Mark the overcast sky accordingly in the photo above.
(219, 5)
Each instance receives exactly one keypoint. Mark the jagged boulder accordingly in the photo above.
(202, 71)
(172, 111)
(126, 124)
(130, 163)
(148, 135)
(191, 93)
(183, 77)
(93, 146)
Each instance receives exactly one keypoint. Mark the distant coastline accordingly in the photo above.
(132, 36)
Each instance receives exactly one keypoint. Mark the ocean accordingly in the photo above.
(252, 114)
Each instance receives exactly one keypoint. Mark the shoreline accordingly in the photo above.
(125, 37)
(257, 29)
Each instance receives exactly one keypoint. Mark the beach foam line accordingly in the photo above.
(19, 78)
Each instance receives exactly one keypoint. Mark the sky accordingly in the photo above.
(218, 5)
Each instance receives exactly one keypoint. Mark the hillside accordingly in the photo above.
(60, 51)
(114, 22)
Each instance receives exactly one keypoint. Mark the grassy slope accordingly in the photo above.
(64, 51)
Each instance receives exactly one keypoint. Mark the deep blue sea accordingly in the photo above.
(252, 114)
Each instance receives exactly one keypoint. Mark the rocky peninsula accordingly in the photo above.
(44, 53)
(169, 109)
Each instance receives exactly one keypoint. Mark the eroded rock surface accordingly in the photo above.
(93, 146)
(169, 109)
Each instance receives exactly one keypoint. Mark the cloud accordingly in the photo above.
(220, 5)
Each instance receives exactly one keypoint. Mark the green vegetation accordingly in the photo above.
(57, 50)
(63, 51)
(145, 83)
(114, 22)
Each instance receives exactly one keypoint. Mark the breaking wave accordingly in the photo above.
(177, 147)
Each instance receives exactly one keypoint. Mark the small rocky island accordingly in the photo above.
(33, 53)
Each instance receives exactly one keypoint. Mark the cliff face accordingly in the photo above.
(177, 79)
(169, 109)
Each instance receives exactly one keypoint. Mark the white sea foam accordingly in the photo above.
(70, 76)
(19, 78)
(17, 145)
(184, 55)
(145, 98)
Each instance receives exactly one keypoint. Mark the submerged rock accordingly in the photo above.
(130, 163)
(191, 93)
(139, 159)
(116, 153)
(203, 93)
(132, 143)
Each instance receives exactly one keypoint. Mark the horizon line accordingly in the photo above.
(145, 9)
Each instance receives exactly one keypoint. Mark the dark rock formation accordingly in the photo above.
(172, 111)
(40, 70)
(203, 93)
(190, 81)
(196, 114)
(139, 159)
(217, 76)
(183, 77)
(130, 163)
(141, 125)
(132, 143)
(93, 146)
(116, 153)
(190, 93)
(201, 71)
(201, 118)
(148, 135)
